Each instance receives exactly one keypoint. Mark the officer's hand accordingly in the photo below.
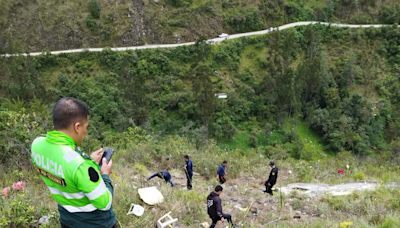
(97, 155)
(106, 167)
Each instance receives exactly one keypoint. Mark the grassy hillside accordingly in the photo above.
(54, 25)
(138, 155)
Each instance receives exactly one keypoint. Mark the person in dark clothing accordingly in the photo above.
(221, 172)
(165, 175)
(273, 176)
(188, 171)
(214, 207)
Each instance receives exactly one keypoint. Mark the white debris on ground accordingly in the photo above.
(151, 195)
(314, 190)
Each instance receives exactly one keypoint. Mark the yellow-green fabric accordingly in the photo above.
(74, 181)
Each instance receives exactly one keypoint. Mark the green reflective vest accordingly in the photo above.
(84, 196)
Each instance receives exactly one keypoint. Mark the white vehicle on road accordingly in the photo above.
(223, 35)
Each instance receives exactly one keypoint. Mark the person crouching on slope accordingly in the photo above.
(165, 175)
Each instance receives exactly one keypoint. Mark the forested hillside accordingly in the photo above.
(343, 84)
(53, 25)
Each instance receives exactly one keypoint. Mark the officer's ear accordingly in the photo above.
(81, 125)
(77, 126)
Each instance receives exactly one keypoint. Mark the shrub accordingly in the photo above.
(180, 3)
(91, 24)
(390, 222)
(94, 8)
(359, 176)
(17, 211)
(19, 128)
(141, 169)
(390, 14)
(249, 20)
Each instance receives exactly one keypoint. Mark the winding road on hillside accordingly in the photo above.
(210, 41)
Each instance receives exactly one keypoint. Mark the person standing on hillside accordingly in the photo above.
(273, 176)
(221, 172)
(188, 171)
(81, 188)
(214, 207)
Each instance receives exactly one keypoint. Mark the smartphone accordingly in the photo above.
(108, 152)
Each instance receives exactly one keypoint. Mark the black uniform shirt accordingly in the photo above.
(273, 175)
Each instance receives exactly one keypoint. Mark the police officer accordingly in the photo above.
(82, 189)
(273, 176)
(221, 172)
(188, 171)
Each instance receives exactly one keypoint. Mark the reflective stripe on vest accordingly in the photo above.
(100, 190)
(67, 195)
(72, 209)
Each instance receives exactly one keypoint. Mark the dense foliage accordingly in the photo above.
(343, 84)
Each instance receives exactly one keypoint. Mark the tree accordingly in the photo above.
(203, 93)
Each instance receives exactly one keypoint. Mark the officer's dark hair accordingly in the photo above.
(271, 163)
(224, 162)
(218, 188)
(68, 110)
(186, 156)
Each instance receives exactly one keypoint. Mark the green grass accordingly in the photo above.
(251, 57)
(240, 140)
(312, 142)
(275, 137)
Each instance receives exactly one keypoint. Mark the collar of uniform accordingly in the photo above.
(58, 137)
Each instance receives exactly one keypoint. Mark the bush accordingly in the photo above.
(295, 12)
(249, 20)
(17, 211)
(359, 176)
(94, 8)
(223, 127)
(180, 3)
(390, 14)
(91, 24)
(19, 128)
(390, 222)
(141, 169)
(337, 203)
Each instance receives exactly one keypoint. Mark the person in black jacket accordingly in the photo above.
(273, 176)
(214, 207)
